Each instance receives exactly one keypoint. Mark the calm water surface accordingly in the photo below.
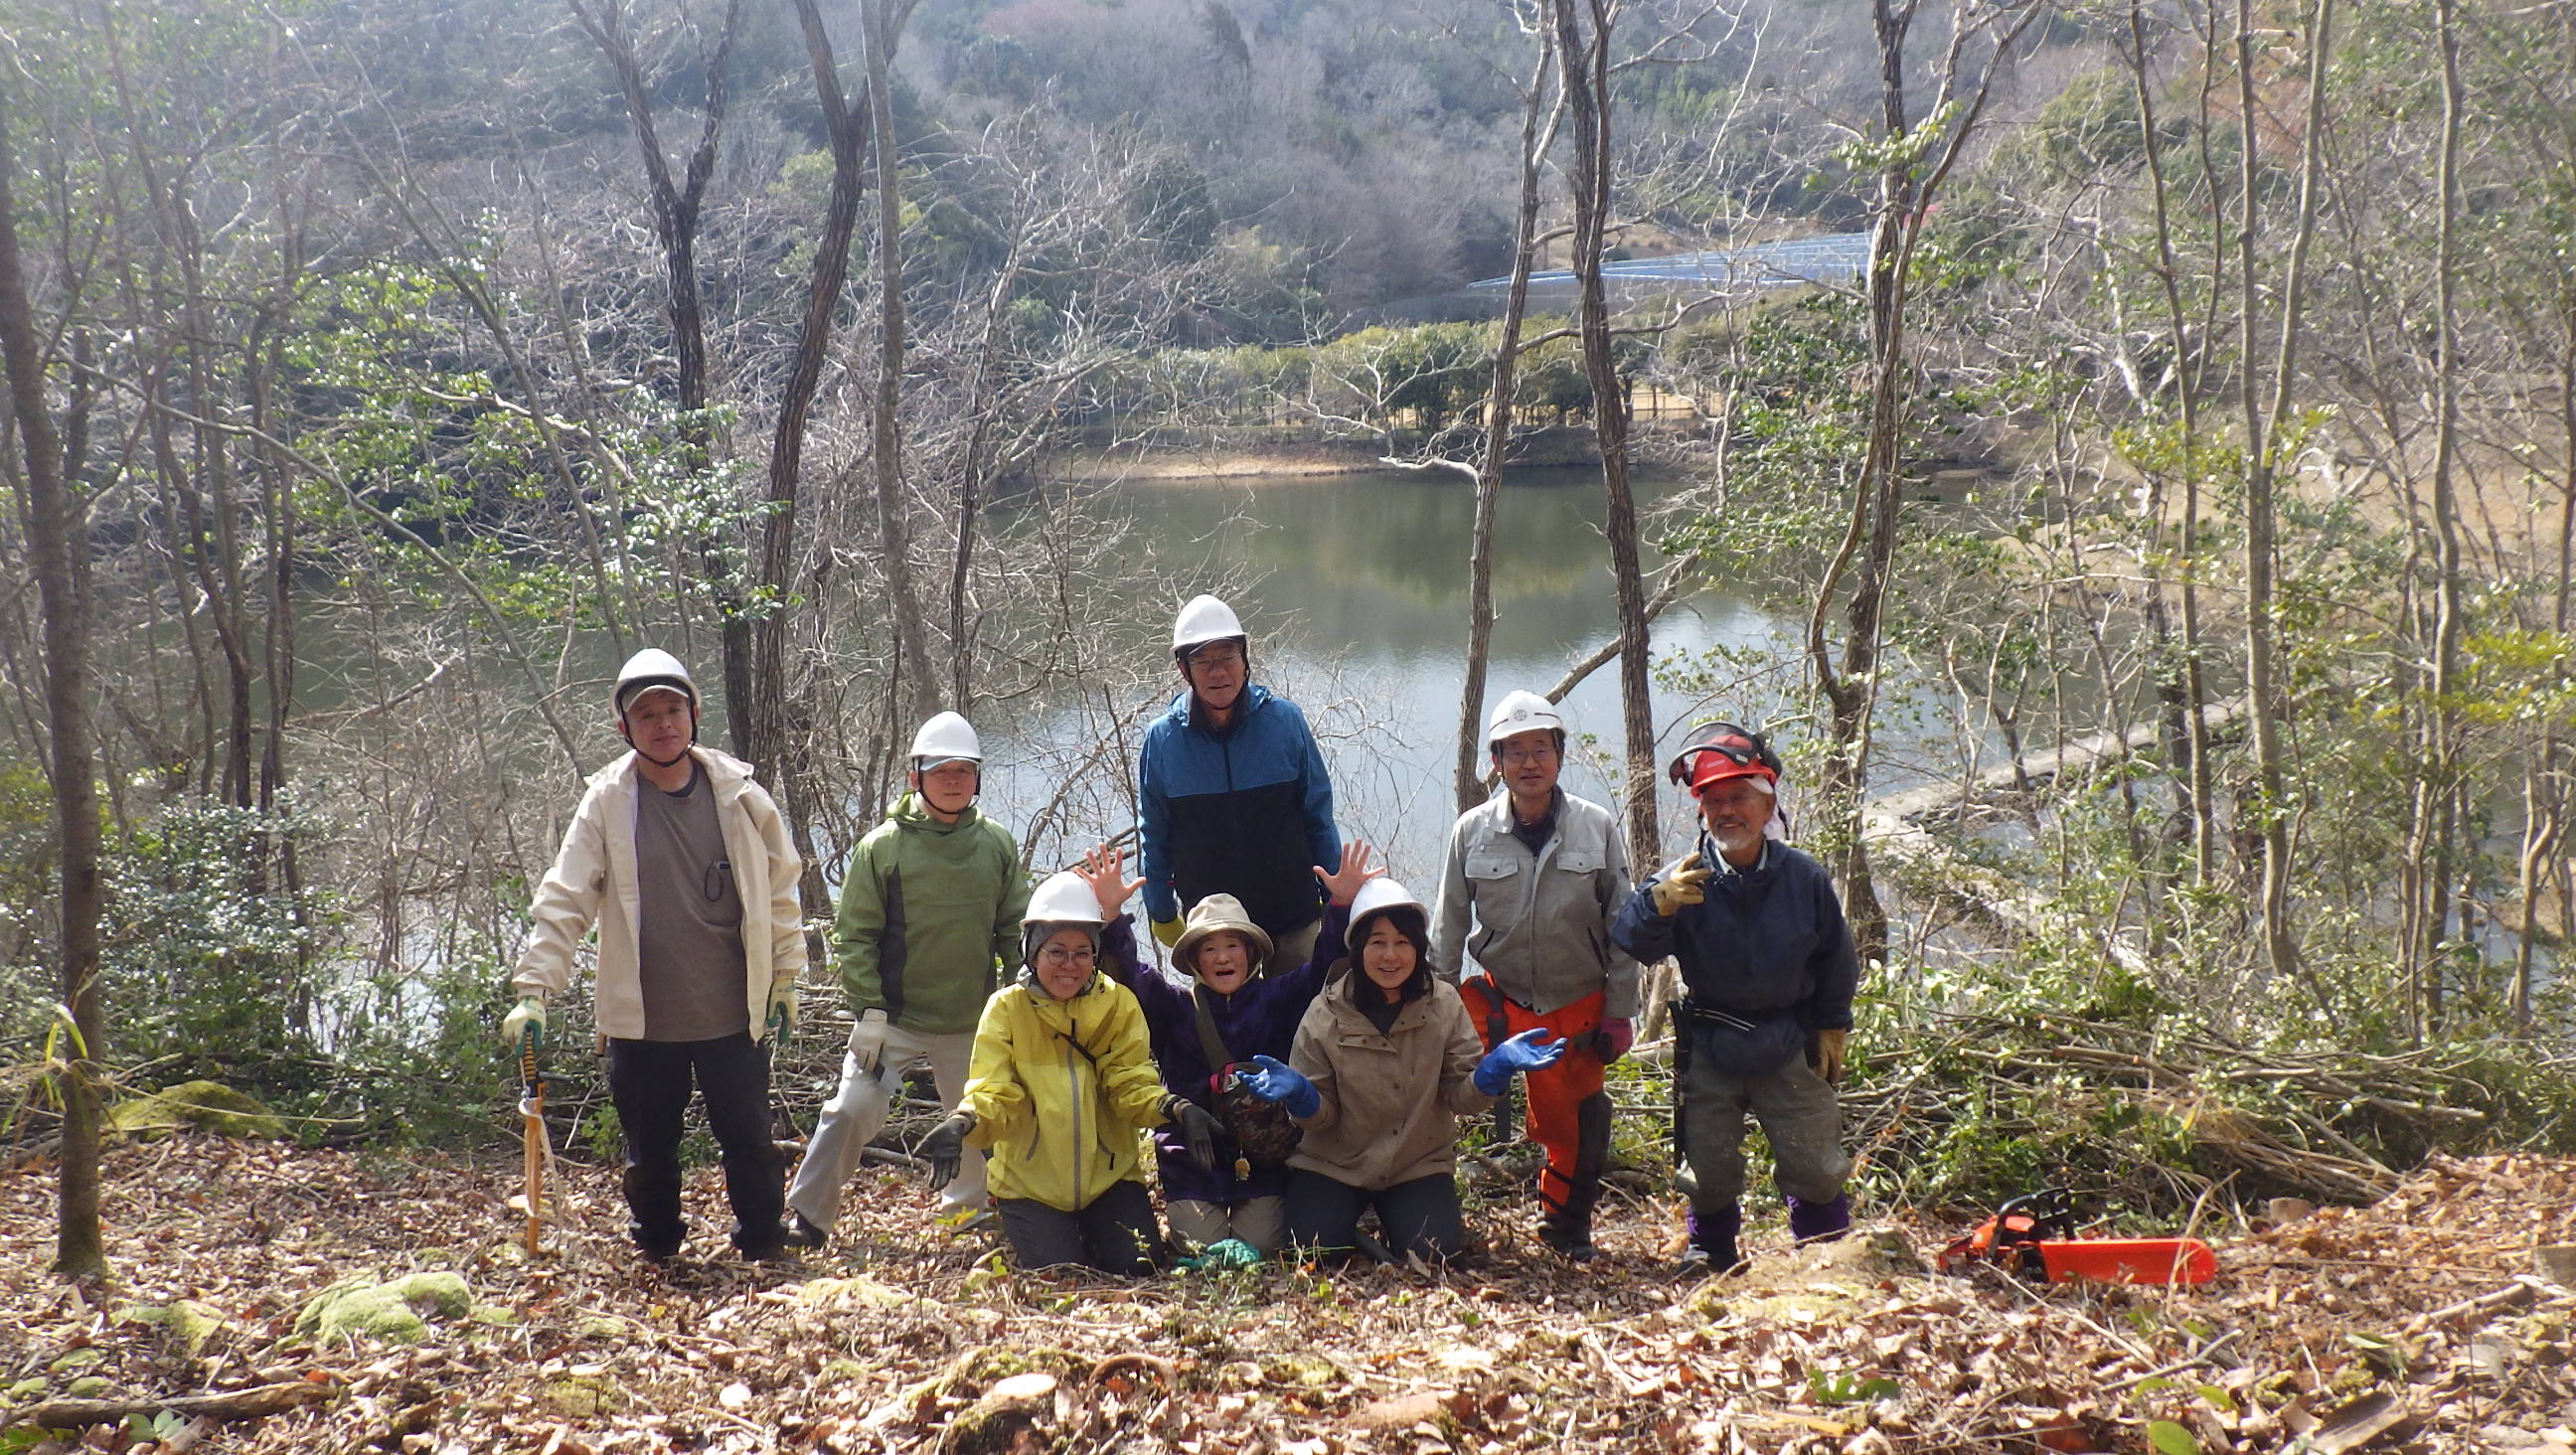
(1358, 612)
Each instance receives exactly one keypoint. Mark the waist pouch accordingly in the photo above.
(1743, 1047)
(1262, 1131)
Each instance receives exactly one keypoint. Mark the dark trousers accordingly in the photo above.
(1420, 1216)
(649, 1081)
(1114, 1232)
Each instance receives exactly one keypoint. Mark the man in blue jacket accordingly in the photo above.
(1231, 794)
(1769, 969)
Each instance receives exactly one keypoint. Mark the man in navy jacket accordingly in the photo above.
(1769, 969)
(1231, 794)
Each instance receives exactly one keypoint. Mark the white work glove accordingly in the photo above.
(529, 1013)
(867, 1040)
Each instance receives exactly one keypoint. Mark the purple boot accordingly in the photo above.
(1819, 1222)
(1712, 1239)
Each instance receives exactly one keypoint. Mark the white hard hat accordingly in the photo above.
(1522, 712)
(651, 667)
(946, 738)
(1204, 620)
(1377, 897)
(1063, 898)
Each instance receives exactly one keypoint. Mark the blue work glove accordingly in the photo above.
(1521, 1053)
(1274, 1080)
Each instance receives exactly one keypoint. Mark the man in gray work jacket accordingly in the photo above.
(1538, 872)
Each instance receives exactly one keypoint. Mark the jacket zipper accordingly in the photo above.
(1073, 1086)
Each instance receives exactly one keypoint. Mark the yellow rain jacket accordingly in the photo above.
(1060, 1090)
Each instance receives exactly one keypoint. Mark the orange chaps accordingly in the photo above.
(1569, 1116)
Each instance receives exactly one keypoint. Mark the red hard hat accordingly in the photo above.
(1721, 750)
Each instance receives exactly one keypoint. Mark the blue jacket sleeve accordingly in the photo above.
(1637, 929)
(1323, 840)
(1154, 836)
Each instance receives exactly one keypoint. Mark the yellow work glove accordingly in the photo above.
(781, 1019)
(1168, 931)
(1680, 882)
(1827, 1058)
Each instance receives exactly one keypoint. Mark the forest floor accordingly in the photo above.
(2411, 1325)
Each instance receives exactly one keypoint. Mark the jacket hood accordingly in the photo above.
(910, 812)
(1027, 979)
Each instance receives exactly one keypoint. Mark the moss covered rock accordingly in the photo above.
(581, 1396)
(397, 1312)
(187, 1325)
(205, 1106)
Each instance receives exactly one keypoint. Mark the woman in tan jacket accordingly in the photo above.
(1384, 1062)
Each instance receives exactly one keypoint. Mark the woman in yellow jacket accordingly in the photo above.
(1060, 1083)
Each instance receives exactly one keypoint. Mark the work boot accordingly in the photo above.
(1712, 1239)
(1568, 1230)
(800, 1232)
(1819, 1222)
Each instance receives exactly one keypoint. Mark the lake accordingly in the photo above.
(1358, 612)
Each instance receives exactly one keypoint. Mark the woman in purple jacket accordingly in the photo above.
(1220, 951)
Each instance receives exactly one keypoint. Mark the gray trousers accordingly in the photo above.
(1292, 950)
(857, 1112)
(1259, 1221)
(1799, 1113)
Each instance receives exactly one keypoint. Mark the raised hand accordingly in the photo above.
(1343, 884)
(1104, 868)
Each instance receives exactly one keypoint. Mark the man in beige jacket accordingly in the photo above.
(698, 953)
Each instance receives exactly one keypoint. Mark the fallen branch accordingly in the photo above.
(240, 1404)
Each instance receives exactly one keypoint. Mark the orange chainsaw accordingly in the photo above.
(2032, 1236)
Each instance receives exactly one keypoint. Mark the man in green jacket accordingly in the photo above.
(930, 907)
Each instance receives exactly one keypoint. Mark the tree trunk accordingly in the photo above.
(57, 538)
(2194, 704)
(676, 210)
(846, 127)
(1583, 63)
(1535, 141)
(2266, 700)
(881, 22)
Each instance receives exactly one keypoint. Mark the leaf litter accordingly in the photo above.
(2415, 1324)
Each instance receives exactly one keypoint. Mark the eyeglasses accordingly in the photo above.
(1514, 757)
(1059, 955)
(719, 874)
(1220, 657)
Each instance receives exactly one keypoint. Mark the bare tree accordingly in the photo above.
(58, 537)
(1911, 159)
(677, 207)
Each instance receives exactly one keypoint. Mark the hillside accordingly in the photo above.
(2411, 1325)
